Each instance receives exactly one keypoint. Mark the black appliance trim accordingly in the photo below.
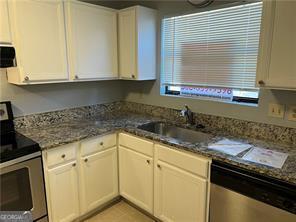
(17, 146)
(7, 56)
(7, 126)
(259, 187)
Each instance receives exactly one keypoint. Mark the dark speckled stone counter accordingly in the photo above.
(56, 134)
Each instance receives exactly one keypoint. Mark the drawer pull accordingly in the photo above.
(63, 156)
(159, 167)
(74, 164)
(85, 160)
(101, 143)
(148, 161)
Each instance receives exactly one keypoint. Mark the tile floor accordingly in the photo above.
(120, 212)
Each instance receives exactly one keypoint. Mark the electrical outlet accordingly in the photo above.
(276, 110)
(291, 113)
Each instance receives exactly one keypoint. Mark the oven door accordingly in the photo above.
(22, 187)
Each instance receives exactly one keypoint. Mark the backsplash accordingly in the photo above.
(225, 125)
(60, 116)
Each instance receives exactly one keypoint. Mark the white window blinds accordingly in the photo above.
(212, 48)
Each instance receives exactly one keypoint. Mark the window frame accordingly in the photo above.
(164, 88)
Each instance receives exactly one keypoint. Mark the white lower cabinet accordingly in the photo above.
(136, 178)
(179, 195)
(181, 186)
(75, 187)
(63, 190)
(99, 179)
(172, 185)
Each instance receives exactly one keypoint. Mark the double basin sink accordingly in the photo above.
(182, 134)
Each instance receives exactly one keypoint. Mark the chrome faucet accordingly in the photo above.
(186, 112)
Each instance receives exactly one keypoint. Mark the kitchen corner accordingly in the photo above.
(148, 111)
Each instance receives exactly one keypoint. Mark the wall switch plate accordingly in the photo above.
(291, 113)
(276, 110)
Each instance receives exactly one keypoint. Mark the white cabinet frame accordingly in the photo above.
(276, 66)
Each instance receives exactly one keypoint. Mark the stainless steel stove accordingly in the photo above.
(21, 172)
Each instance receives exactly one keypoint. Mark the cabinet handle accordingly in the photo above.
(76, 77)
(101, 143)
(159, 167)
(74, 164)
(133, 76)
(261, 82)
(148, 161)
(85, 160)
(26, 78)
(63, 156)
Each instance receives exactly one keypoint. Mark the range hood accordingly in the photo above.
(7, 56)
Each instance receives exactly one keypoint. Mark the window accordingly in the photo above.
(214, 51)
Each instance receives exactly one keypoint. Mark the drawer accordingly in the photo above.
(61, 154)
(96, 144)
(137, 144)
(189, 162)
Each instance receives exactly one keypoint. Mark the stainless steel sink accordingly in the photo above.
(176, 132)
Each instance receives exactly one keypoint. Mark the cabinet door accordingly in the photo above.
(92, 40)
(127, 44)
(99, 178)
(5, 36)
(278, 45)
(179, 195)
(39, 36)
(63, 192)
(136, 178)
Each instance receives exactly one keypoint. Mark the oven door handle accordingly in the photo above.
(19, 160)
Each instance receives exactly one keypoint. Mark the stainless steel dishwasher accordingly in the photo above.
(238, 195)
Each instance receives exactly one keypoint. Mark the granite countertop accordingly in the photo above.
(68, 132)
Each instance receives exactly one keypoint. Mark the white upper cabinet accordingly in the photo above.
(5, 36)
(38, 34)
(277, 56)
(63, 41)
(92, 40)
(137, 43)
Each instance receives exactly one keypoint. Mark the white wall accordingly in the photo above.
(148, 93)
(49, 97)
